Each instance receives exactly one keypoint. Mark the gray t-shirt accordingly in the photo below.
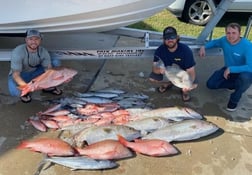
(24, 61)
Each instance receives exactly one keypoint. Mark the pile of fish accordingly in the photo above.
(98, 130)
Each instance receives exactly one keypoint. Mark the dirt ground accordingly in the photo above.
(228, 151)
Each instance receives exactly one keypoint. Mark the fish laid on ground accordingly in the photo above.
(152, 147)
(183, 131)
(172, 113)
(37, 124)
(106, 150)
(148, 124)
(96, 100)
(98, 133)
(82, 163)
(96, 94)
(49, 146)
(137, 111)
(51, 78)
(111, 90)
(178, 77)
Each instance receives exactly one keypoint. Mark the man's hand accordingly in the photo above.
(226, 73)
(162, 70)
(202, 52)
(191, 88)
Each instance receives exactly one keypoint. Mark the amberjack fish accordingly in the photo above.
(98, 133)
(148, 124)
(172, 113)
(183, 131)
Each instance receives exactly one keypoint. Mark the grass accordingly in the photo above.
(163, 19)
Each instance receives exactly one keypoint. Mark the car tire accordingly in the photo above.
(197, 12)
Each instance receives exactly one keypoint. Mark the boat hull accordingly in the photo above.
(76, 15)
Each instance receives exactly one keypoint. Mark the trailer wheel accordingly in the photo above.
(197, 12)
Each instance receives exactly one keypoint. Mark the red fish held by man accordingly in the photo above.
(51, 78)
(49, 146)
(152, 147)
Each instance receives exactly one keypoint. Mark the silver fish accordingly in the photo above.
(96, 94)
(139, 96)
(111, 90)
(98, 133)
(137, 111)
(96, 100)
(131, 102)
(172, 113)
(82, 163)
(149, 124)
(178, 77)
(183, 131)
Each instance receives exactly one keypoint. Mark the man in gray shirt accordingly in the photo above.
(28, 61)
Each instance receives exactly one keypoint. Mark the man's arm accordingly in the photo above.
(191, 72)
(158, 69)
(16, 76)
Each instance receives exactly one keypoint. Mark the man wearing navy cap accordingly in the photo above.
(169, 53)
(28, 61)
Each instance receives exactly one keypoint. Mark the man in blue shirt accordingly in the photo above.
(236, 74)
(169, 53)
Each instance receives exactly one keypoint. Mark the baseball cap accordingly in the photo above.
(170, 33)
(33, 32)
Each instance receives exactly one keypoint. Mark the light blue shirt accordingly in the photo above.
(237, 57)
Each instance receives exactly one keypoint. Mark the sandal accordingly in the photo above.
(54, 91)
(26, 98)
(164, 88)
(185, 96)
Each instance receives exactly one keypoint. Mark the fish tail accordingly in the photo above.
(122, 140)
(22, 145)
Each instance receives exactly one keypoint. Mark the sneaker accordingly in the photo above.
(231, 106)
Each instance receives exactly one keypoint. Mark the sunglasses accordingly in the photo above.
(171, 38)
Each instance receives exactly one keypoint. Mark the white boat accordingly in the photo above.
(75, 15)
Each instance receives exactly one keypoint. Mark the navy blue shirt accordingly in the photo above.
(183, 56)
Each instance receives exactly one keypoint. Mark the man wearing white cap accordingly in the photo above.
(28, 61)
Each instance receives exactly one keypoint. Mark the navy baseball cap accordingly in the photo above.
(170, 33)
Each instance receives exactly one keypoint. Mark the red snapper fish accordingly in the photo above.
(51, 78)
(106, 149)
(153, 147)
(49, 146)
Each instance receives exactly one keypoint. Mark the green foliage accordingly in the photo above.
(163, 19)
